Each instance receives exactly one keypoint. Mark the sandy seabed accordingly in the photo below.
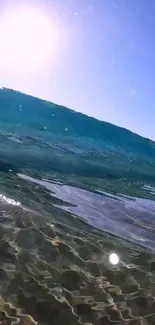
(52, 273)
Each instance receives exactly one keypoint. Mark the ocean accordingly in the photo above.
(73, 190)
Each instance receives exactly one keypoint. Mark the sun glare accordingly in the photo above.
(113, 259)
(28, 39)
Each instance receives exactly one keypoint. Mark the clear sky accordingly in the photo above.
(103, 62)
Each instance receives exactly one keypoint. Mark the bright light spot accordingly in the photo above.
(8, 200)
(28, 39)
(114, 259)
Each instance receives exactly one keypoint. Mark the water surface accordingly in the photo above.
(73, 190)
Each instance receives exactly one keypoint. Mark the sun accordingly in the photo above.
(28, 39)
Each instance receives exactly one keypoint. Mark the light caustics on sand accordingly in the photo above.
(123, 217)
(28, 39)
(9, 200)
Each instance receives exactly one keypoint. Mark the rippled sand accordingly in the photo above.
(56, 274)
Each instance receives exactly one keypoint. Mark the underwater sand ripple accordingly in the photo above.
(51, 273)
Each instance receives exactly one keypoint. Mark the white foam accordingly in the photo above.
(128, 219)
(9, 200)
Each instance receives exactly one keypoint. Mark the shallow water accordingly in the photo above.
(73, 190)
(131, 219)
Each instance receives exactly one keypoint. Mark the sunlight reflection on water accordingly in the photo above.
(9, 200)
(131, 219)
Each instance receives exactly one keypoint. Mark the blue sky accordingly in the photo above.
(105, 62)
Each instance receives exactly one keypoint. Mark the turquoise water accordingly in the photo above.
(92, 160)
(72, 190)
